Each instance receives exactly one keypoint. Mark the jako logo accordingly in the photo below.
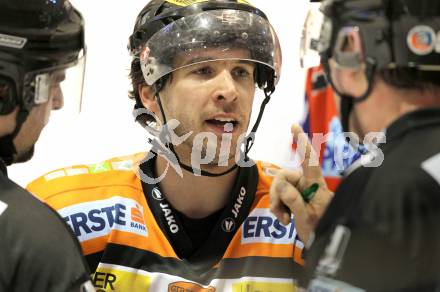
(228, 224)
(239, 202)
(157, 194)
(97, 218)
(171, 221)
(262, 226)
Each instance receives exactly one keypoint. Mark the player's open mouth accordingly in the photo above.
(223, 124)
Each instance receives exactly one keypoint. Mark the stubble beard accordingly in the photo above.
(223, 155)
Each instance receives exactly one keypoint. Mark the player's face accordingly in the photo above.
(352, 83)
(38, 118)
(213, 97)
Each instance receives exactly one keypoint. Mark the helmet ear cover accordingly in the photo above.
(11, 83)
(265, 78)
(8, 95)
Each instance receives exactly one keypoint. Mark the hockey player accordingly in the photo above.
(380, 231)
(40, 43)
(193, 215)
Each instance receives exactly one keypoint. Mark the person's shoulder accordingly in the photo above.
(412, 166)
(24, 211)
(414, 147)
(120, 170)
(30, 222)
(403, 191)
(39, 243)
(266, 173)
(16, 201)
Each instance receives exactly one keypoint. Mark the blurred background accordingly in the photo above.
(105, 127)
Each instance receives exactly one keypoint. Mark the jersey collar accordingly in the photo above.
(3, 167)
(242, 196)
(411, 121)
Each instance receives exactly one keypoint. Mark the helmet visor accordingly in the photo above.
(315, 38)
(63, 84)
(225, 30)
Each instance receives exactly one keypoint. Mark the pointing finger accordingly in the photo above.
(309, 158)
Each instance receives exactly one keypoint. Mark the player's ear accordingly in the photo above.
(148, 97)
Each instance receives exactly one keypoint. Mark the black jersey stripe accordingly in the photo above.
(261, 266)
(93, 260)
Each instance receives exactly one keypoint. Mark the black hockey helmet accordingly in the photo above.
(391, 33)
(42, 50)
(37, 38)
(385, 34)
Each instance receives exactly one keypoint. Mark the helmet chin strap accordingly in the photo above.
(347, 101)
(249, 139)
(7, 147)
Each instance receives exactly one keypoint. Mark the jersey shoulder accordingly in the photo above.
(266, 173)
(116, 171)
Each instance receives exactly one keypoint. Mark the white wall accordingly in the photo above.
(105, 127)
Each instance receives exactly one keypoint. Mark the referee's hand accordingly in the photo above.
(288, 185)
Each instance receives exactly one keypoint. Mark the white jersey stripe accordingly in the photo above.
(432, 167)
(3, 207)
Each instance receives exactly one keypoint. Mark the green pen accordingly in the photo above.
(310, 192)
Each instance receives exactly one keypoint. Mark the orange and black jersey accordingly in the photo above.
(37, 249)
(135, 239)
